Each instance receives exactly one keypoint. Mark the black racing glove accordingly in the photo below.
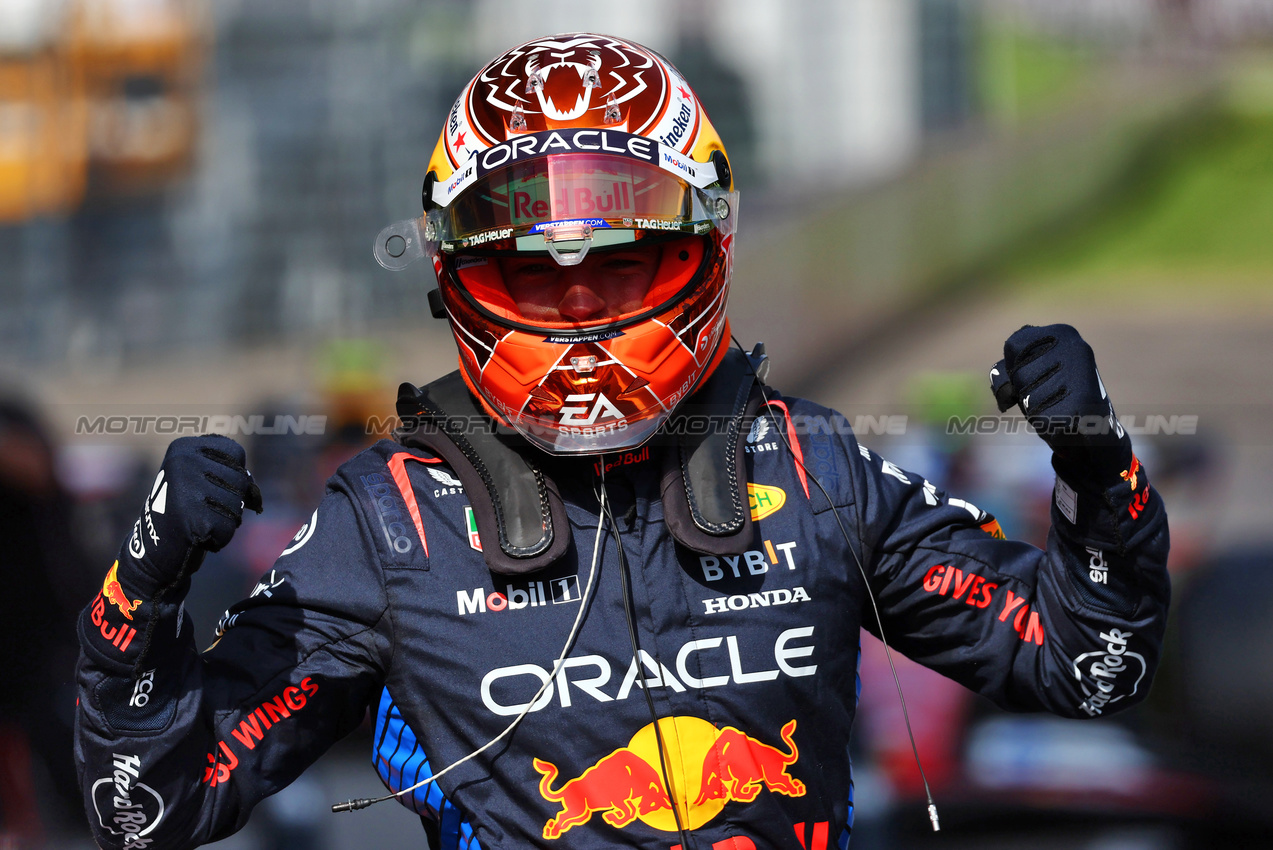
(194, 506)
(1050, 372)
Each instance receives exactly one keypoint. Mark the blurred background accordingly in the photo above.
(188, 196)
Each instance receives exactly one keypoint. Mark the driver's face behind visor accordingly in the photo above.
(606, 285)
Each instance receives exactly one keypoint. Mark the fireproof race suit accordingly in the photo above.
(383, 600)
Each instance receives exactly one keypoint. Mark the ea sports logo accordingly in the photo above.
(598, 407)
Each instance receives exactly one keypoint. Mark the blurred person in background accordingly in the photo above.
(45, 579)
(1013, 482)
(354, 389)
(604, 586)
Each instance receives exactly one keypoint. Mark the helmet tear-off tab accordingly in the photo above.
(401, 244)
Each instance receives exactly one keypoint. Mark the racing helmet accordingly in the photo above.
(579, 214)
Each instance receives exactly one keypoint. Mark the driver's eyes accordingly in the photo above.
(621, 264)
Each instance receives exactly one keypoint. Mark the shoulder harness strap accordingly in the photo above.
(703, 481)
(513, 501)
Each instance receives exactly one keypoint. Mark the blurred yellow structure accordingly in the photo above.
(97, 97)
(140, 62)
(43, 117)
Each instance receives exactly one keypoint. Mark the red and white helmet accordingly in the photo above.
(561, 147)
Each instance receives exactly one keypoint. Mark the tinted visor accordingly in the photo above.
(563, 204)
(556, 197)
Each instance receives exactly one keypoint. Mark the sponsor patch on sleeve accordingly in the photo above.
(1067, 500)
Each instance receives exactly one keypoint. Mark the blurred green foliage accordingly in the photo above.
(935, 398)
(1024, 74)
(1197, 200)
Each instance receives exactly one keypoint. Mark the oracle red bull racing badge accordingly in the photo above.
(708, 767)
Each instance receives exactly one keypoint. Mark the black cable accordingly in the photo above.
(888, 652)
(629, 612)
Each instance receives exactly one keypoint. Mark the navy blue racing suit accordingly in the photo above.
(384, 601)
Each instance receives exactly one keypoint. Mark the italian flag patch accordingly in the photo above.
(470, 521)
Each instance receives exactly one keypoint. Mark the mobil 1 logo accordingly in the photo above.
(516, 597)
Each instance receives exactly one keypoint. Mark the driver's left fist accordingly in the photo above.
(1050, 373)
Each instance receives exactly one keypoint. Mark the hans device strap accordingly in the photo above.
(703, 479)
(513, 501)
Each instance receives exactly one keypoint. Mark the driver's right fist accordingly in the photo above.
(195, 505)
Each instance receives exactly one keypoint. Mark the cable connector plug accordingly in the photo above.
(352, 805)
(932, 816)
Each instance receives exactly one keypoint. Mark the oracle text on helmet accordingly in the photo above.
(540, 144)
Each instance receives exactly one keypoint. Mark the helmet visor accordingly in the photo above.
(546, 201)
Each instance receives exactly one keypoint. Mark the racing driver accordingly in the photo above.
(604, 587)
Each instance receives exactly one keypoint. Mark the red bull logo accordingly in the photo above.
(621, 786)
(113, 592)
(993, 528)
(708, 768)
(738, 766)
(1129, 475)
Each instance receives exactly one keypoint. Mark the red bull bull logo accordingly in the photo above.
(708, 768)
(1129, 474)
(621, 786)
(113, 592)
(738, 766)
